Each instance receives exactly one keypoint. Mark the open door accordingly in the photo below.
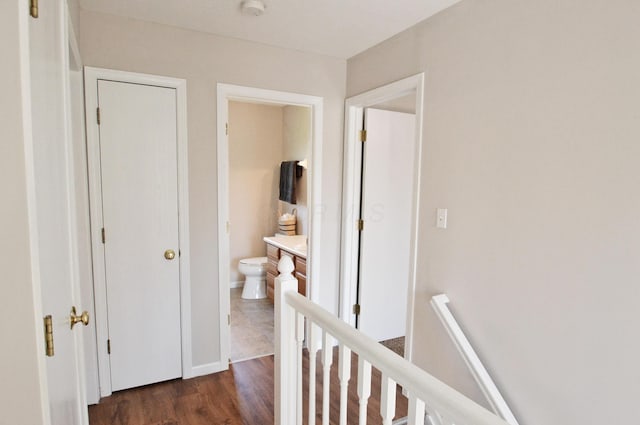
(55, 256)
(386, 207)
(407, 96)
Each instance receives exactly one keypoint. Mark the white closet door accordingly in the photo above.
(138, 147)
(387, 196)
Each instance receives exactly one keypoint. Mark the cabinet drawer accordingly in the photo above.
(301, 265)
(270, 286)
(302, 283)
(272, 267)
(273, 252)
(271, 295)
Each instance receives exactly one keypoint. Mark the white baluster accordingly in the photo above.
(446, 421)
(313, 343)
(387, 400)
(285, 345)
(416, 411)
(364, 388)
(299, 339)
(433, 417)
(327, 360)
(344, 374)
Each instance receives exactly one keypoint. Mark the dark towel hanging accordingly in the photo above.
(289, 172)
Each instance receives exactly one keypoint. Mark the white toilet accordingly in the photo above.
(255, 271)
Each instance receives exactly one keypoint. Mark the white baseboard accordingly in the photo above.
(207, 369)
(237, 284)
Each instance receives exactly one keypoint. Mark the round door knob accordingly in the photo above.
(169, 254)
(74, 318)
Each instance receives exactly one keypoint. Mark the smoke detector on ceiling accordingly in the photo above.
(253, 7)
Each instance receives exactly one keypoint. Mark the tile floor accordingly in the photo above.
(251, 327)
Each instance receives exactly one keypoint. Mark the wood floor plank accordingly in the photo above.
(243, 395)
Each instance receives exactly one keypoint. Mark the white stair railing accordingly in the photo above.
(445, 406)
(477, 369)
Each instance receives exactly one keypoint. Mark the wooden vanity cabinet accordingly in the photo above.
(273, 256)
(300, 272)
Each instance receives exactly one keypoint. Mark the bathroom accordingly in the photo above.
(263, 137)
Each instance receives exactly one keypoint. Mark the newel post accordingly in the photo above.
(285, 345)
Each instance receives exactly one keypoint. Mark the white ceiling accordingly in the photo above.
(338, 28)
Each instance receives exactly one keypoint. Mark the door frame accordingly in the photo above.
(92, 75)
(230, 92)
(354, 111)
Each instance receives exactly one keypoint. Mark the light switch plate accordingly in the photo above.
(441, 218)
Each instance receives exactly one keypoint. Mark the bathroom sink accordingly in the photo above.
(297, 244)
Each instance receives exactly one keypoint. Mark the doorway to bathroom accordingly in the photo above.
(268, 180)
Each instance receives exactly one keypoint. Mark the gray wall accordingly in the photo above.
(531, 140)
(20, 396)
(204, 60)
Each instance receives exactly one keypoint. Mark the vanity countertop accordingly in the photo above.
(296, 245)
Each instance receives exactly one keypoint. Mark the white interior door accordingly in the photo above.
(138, 148)
(54, 203)
(385, 242)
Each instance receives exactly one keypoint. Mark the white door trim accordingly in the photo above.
(92, 75)
(228, 92)
(354, 110)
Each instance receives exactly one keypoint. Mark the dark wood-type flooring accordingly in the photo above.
(241, 395)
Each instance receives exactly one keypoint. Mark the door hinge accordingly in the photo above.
(356, 309)
(104, 235)
(48, 335)
(98, 115)
(360, 225)
(33, 8)
(363, 135)
(108, 346)
(229, 319)
(226, 128)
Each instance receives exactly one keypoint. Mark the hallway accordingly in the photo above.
(241, 395)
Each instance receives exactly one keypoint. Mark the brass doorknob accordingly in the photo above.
(84, 317)
(169, 254)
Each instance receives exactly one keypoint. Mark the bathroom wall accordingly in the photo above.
(255, 153)
(296, 147)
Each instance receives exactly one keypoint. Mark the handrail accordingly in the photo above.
(477, 369)
(438, 398)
